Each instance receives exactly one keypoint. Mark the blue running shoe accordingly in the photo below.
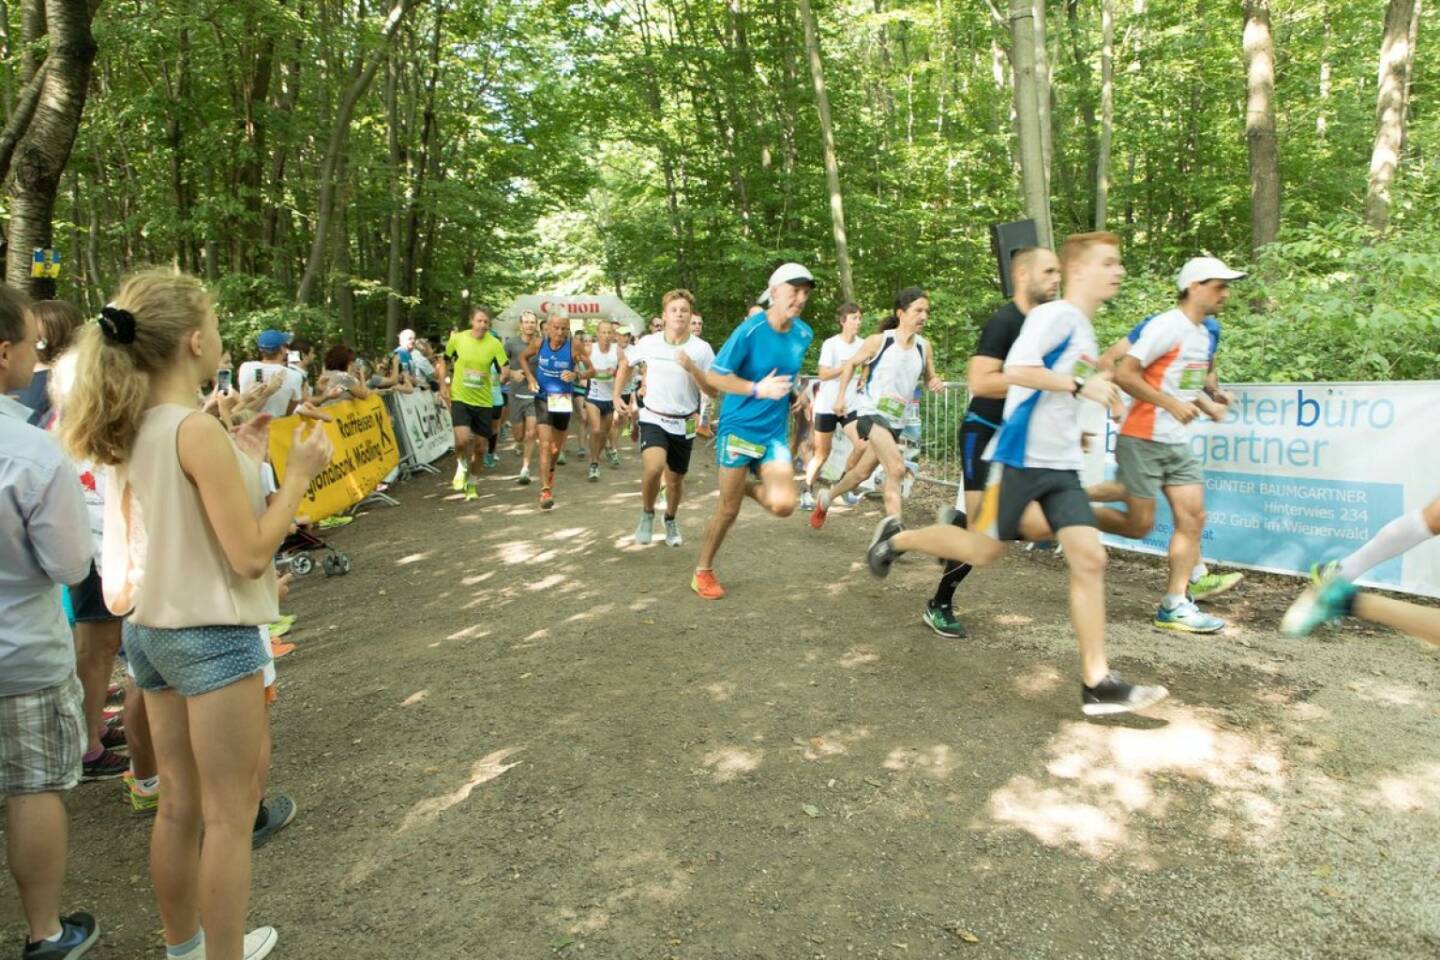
(1187, 618)
(78, 933)
(1324, 602)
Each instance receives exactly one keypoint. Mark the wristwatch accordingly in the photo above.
(1079, 385)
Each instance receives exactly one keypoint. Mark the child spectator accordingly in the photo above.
(57, 322)
(272, 364)
(341, 380)
(44, 542)
(189, 548)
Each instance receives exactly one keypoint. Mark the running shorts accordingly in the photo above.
(472, 418)
(864, 425)
(555, 421)
(606, 407)
(1011, 489)
(1145, 466)
(733, 450)
(677, 448)
(521, 408)
(975, 435)
(827, 422)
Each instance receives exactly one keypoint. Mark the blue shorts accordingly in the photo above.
(734, 450)
(194, 660)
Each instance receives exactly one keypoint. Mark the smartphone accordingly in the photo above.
(222, 379)
(294, 358)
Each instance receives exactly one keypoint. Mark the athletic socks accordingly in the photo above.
(1199, 573)
(669, 517)
(954, 572)
(1399, 535)
(1171, 601)
(179, 951)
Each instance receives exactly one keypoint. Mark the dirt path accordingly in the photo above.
(514, 734)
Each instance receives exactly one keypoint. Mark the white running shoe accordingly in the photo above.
(672, 533)
(645, 530)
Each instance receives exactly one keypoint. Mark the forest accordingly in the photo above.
(348, 168)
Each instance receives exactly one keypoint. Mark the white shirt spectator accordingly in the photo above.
(279, 402)
(44, 542)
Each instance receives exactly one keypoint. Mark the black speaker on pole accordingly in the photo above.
(1006, 238)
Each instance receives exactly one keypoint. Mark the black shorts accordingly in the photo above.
(1011, 489)
(88, 600)
(606, 407)
(472, 418)
(827, 422)
(677, 448)
(544, 418)
(864, 425)
(975, 436)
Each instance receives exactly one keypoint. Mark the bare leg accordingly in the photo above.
(1086, 558)
(733, 481)
(175, 840)
(550, 440)
(858, 473)
(821, 452)
(529, 443)
(776, 489)
(674, 490)
(652, 467)
(462, 445)
(137, 733)
(1422, 623)
(1136, 520)
(1187, 504)
(36, 831)
(1109, 491)
(95, 647)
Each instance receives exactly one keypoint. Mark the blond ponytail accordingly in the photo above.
(112, 375)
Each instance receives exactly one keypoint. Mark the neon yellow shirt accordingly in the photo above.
(473, 359)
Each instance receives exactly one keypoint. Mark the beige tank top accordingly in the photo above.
(167, 565)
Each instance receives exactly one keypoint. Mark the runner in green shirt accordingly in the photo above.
(468, 358)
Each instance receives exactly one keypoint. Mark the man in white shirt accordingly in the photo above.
(675, 363)
(1034, 491)
(281, 403)
(44, 542)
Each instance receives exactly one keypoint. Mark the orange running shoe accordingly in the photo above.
(547, 499)
(705, 584)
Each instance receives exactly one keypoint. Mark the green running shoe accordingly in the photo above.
(470, 492)
(1325, 602)
(1213, 584)
(943, 621)
(461, 475)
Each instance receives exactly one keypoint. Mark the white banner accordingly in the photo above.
(426, 423)
(1299, 474)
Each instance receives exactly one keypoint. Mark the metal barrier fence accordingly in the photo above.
(940, 417)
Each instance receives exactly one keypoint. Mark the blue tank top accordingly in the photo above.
(552, 364)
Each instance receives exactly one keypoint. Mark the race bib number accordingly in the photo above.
(892, 407)
(559, 403)
(475, 379)
(1085, 367)
(740, 447)
(692, 426)
(1193, 376)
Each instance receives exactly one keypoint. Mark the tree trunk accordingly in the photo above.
(1260, 125)
(250, 176)
(1043, 89)
(1323, 104)
(1027, 119)
(393, 303)
(1396, 57)
(1409, 77)
(827, 139)
(344, 292)
(43, 151)
(360, 82)
(1107, 111)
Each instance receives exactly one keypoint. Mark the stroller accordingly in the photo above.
(295, 550)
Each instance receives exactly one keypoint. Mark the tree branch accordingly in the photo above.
(20, 119)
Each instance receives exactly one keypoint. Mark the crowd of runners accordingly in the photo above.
(186, 528)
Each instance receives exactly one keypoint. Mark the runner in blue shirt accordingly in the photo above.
(756, 368)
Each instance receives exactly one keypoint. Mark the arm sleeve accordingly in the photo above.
(451, 353)
(59, 528)
(1040, 334)
(1139, 328)
(1157, 339)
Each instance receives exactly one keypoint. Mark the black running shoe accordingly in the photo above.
(1113, 695)
(78, 933)
(107, 766)
(881, 554)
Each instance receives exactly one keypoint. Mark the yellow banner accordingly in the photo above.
(365, 451)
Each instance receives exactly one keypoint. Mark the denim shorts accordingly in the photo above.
(194, 660)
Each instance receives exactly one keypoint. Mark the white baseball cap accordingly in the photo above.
(1200, 269)
(786, 273)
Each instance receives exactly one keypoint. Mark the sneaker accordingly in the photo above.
(645, 529)
(807, 501)
(613, 456)
(704, 583)
(561, 459)
(672, 533)
(78, 933)
(941, 618)
(1187, 618)
(1213, 584)
(851, 499)
(1319, 572)
(108, 766)
(331, 523)
(1329, 600)
(112, 734)
(524, 477)
(1113, 695)
(278, 810)
(594, 471)
(881, 555)
(259, 942)
(547, 499)
(822, 507)
(491, 461)
(141, 804)
(471, 493)
(461, 475)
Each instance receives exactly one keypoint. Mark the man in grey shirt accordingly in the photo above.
(522, 398)
(44, 542)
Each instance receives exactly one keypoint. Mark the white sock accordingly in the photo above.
(1200, 571)
(1399, 535)
(1171, 601)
